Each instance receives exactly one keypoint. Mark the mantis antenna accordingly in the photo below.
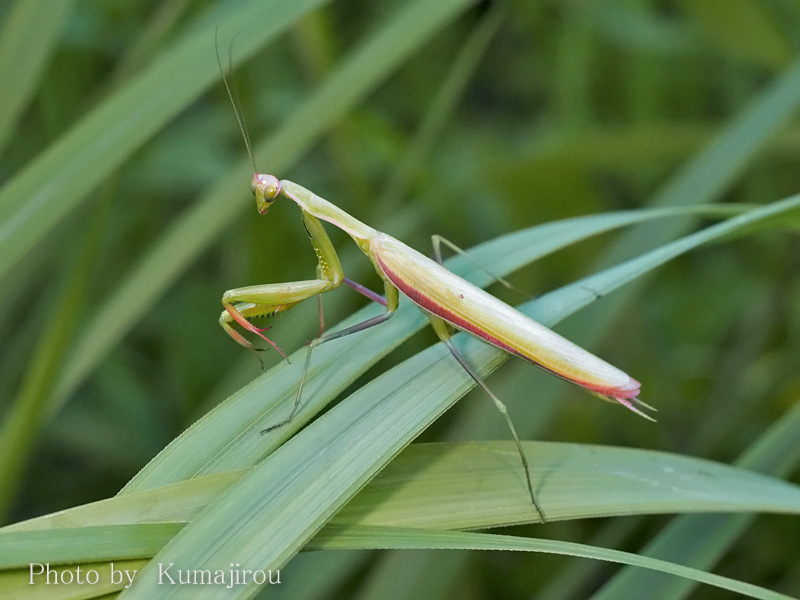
(236, 111)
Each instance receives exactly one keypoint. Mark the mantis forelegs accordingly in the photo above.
(442, 329)
(266, 300)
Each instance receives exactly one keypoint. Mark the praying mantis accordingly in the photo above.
(448, 301)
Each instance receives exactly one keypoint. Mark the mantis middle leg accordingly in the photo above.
(390, 301)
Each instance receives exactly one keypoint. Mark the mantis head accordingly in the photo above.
(266, 189)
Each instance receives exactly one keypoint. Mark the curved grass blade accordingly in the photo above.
(570, 298)
(258, 522)
(758, 211)
(428, 486)
(17, 586)
(703, 179)
(353, 537)
(80, 545)
(776, 452)
(384, 538)
(475, 485)
(709, 173)
(178, 502)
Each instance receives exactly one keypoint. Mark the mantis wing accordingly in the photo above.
(469, 308)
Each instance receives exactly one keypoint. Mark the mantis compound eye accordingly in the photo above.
(266, 189)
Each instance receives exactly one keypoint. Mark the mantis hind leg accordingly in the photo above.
(437, 242)
(361, 289)
(443, 331)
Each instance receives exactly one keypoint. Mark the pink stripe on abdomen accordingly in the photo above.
(429, 304)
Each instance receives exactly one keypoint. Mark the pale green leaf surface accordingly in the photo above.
(430, 486)
(475, 485)
(177, 502)
(703, 179)
(78, 545)
(761, 212)
(777, 452)
(315, 574)
(16, 585)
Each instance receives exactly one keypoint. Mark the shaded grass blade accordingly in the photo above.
(464, 485)
(353, 537)
(384, 538)
(30, 29)
(37, 198)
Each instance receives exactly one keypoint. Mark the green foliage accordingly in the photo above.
(124, 215)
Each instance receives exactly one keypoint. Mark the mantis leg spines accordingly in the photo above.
(442, 295)
(264, 300)
(328, 266)
(321, 316)
(232, 313)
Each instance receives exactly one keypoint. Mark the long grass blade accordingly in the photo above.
(325, 464)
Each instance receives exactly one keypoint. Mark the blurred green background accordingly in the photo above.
(125, 213)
